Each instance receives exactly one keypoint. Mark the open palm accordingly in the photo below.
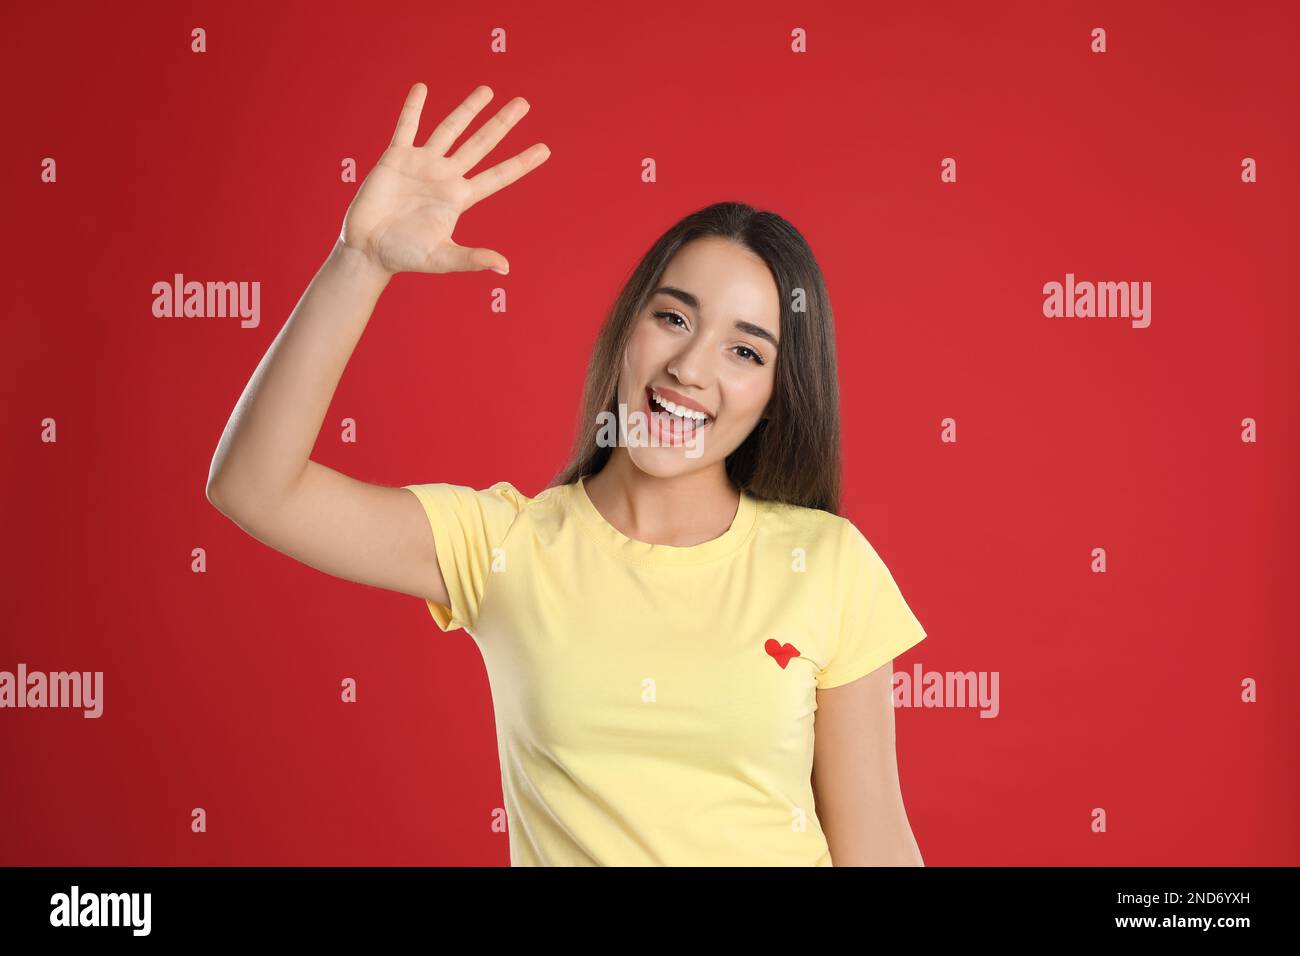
(403, 215)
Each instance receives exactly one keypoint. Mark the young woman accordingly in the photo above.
(666, 622)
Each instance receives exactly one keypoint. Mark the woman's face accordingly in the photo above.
(706, 339)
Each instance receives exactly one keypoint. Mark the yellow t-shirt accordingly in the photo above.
(654, 704)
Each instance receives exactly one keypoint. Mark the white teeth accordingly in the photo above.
(680, 411)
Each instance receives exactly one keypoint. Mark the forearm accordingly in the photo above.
(887, 844)
(268, 439)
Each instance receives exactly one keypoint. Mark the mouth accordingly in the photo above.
(670, 422)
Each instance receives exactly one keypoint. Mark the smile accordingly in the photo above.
(679, 417)
(671, 424)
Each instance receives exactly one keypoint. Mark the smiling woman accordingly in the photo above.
(688, 654)
(710, 622)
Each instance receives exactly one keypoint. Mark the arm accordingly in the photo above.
(855, 775)
(401, 219)
(261, 476)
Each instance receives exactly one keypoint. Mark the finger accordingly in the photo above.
(507, 171)
(489, 134)
(467, 259)
(457, 120)
(409, 119)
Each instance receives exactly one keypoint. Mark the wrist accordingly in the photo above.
(352, 262)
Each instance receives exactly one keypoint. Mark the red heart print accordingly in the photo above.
(781, 653)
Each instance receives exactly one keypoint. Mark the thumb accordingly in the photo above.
(465, 259)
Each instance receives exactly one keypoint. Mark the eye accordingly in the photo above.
(749, 356)
(670, 315)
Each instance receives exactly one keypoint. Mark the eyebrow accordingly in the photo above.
(689, 300)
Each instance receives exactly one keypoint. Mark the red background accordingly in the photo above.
(221, 690)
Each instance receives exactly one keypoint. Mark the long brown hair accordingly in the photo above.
(793, 453)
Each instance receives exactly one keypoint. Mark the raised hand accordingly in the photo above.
(403, 215)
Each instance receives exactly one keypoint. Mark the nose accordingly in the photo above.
(691, 365)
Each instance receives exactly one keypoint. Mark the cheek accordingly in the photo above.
(636, 346)
(644, 351)
(747, 396)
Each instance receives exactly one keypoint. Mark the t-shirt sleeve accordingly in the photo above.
(468, 527)
(875, 623)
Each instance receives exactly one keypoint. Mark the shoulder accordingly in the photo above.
(812, 529)
(832, 536)
(493, 509)
(507, 493)
(539, 510)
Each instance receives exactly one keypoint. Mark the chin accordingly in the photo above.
(668, 462)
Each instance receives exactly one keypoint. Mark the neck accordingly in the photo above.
(680, 510)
